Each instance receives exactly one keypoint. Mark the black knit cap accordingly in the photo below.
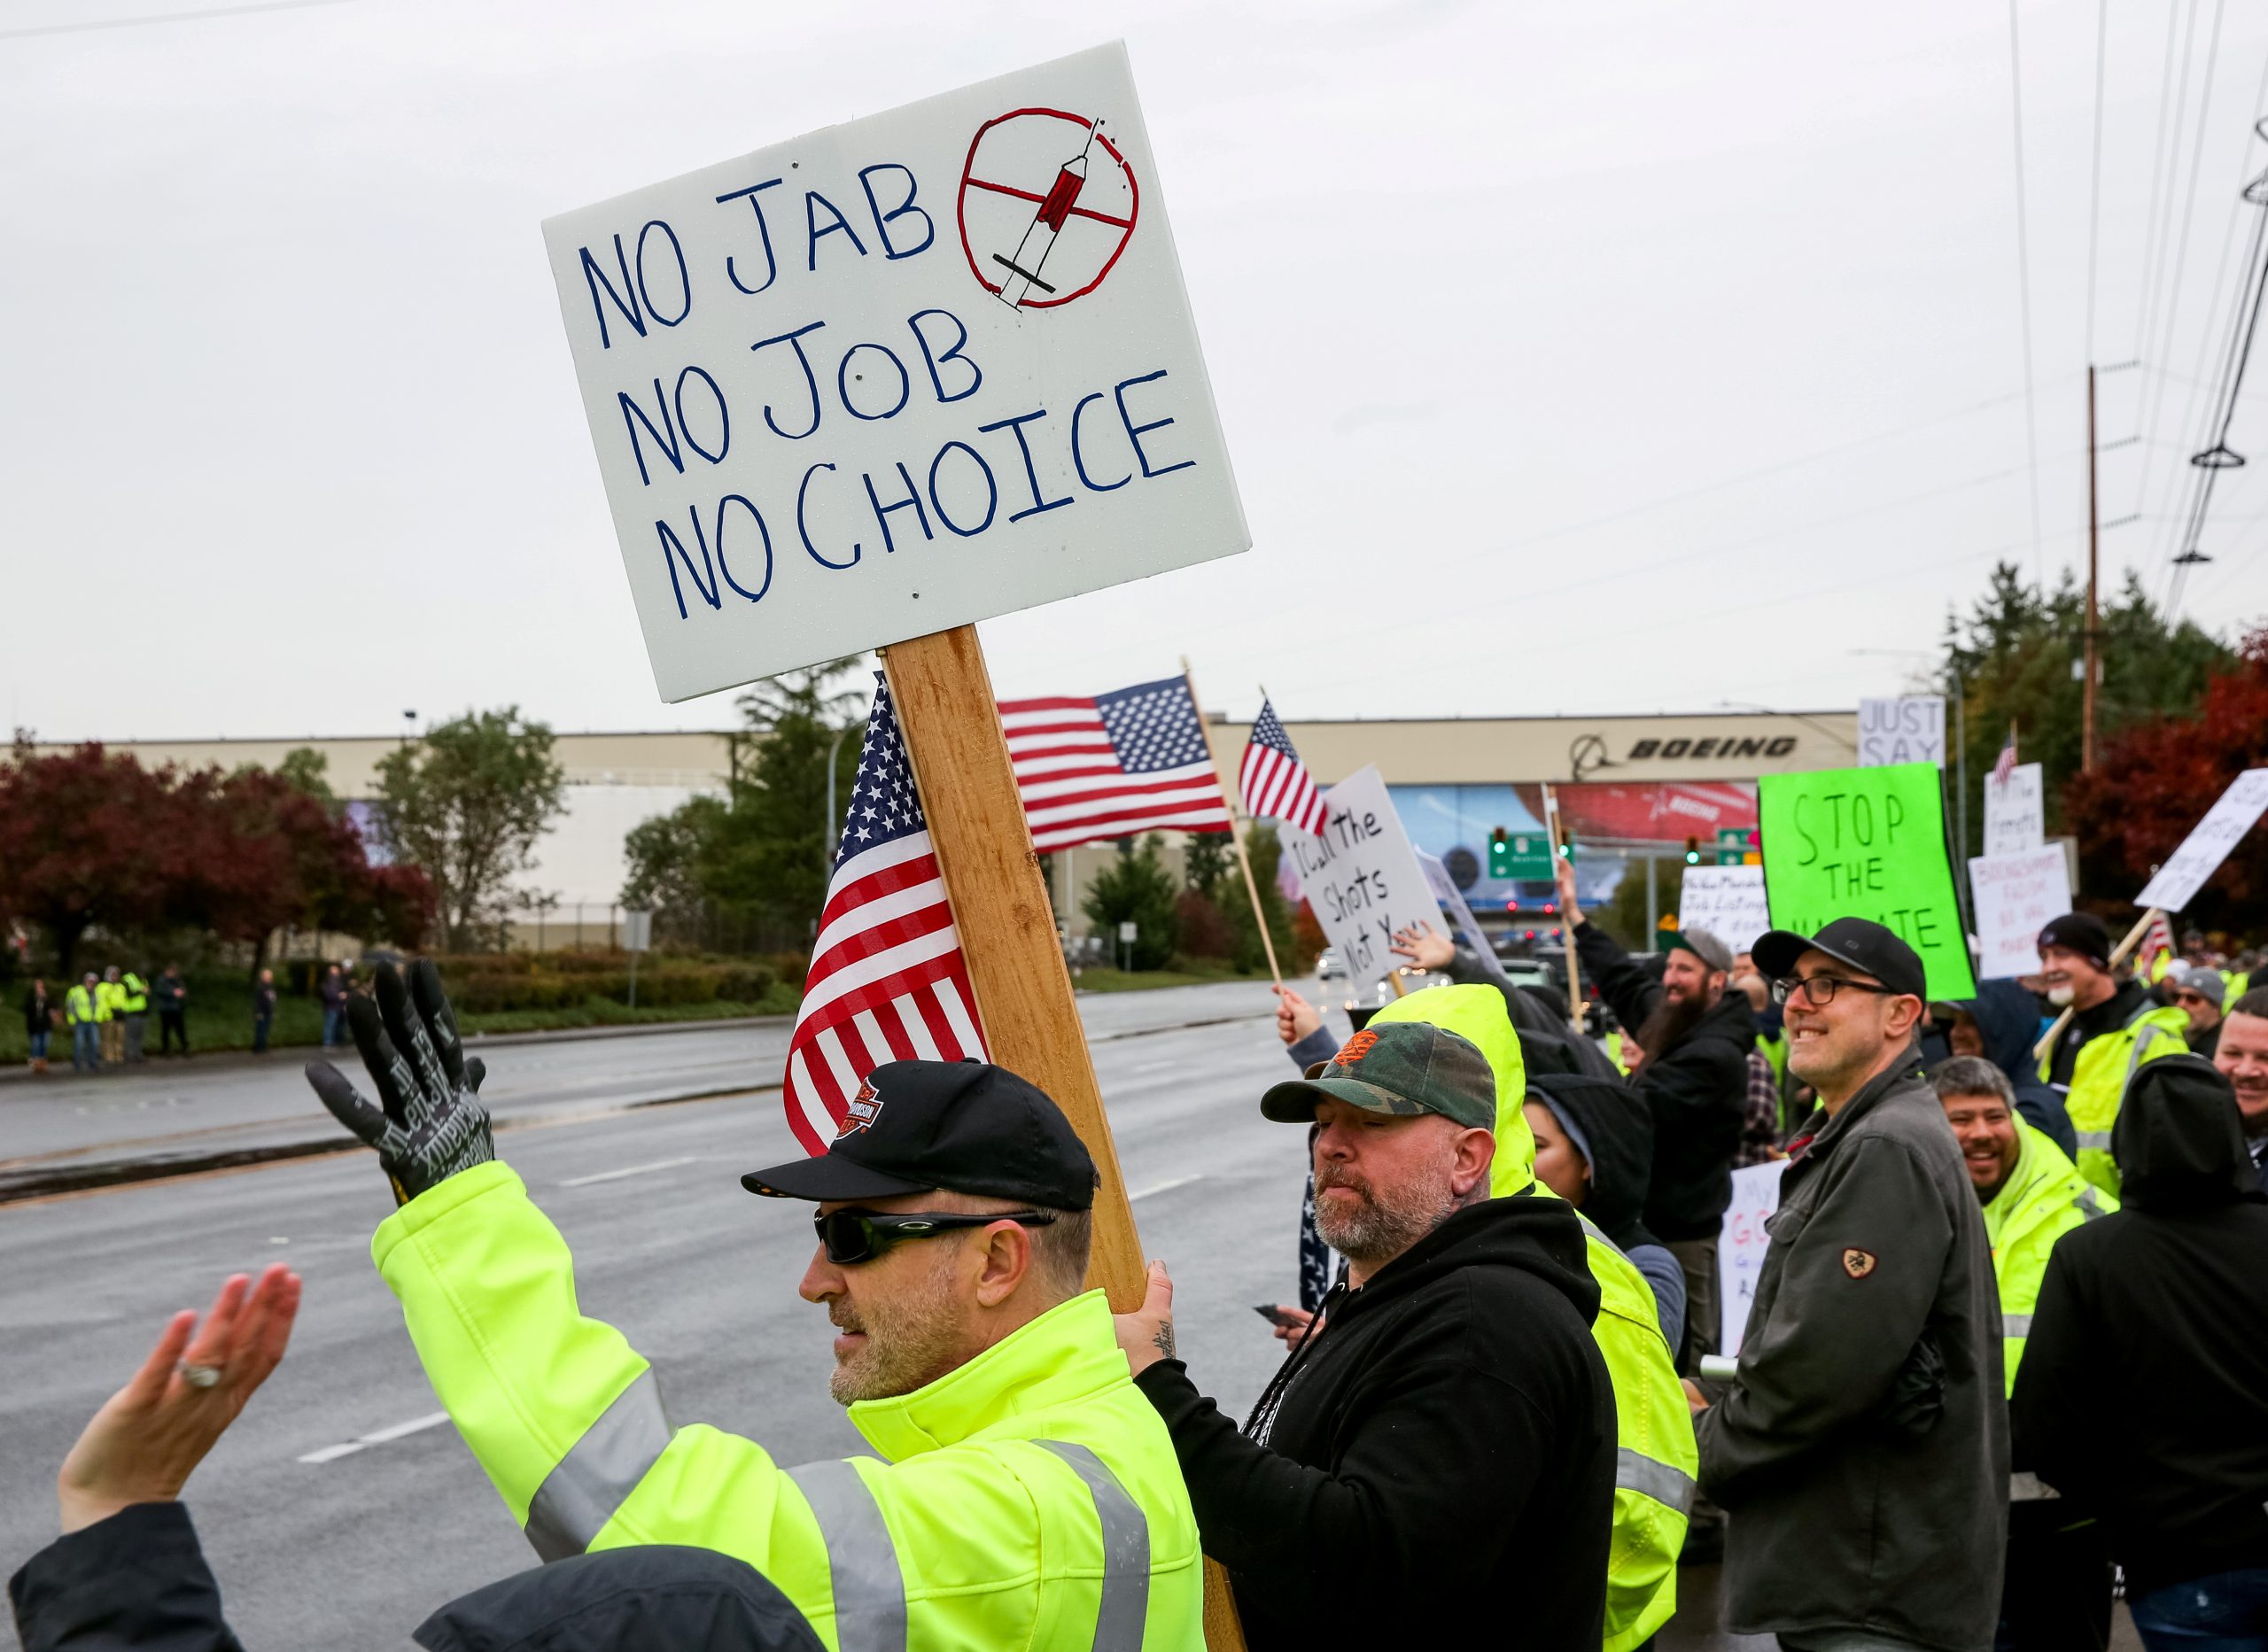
(965, 1126)
(2081, 933)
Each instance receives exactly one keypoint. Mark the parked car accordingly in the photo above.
(1329, 966)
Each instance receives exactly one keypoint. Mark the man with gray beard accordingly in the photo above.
(1442, 1444)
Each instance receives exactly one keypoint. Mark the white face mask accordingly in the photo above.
(2062, 997)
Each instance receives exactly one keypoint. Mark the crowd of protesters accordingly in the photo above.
(106, 1017)
(2006, 1357)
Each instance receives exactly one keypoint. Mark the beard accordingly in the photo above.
(1672, 1020)
(1382, 1225)
(2062, 995)
(911, 1342)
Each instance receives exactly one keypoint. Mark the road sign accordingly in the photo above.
(895, 377)
(637, 930)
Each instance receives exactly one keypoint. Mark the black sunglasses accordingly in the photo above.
(861, 1236)
(1821, 989)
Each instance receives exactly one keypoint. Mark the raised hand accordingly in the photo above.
(141, 1446)
(1424, 946)
(1295, 1017)
(431, 1123)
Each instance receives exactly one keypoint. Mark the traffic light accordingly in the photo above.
(1692, 851)
(1500, 854)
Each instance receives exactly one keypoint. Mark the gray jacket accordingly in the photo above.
(1863, 1455)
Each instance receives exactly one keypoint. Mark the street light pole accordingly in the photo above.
(831, 824)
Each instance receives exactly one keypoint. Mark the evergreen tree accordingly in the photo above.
(1136, 887)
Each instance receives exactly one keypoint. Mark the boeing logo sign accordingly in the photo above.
(1752, 746)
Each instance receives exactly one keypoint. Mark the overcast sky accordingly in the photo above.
(1589, 359)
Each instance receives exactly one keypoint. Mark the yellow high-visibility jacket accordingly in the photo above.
(1029, 1498)
(1656, 1457)
(2099, 1078)
(85, 1004)
(2044, 1198)
(110, 1000)
(136, 994)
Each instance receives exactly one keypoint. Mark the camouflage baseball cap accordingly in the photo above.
(1399, 1067)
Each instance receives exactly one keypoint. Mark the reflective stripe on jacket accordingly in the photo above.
(1656, 1459)
(80, 1004)
(2099, 1078)
(2044, 1198)
(136, 994)
(1030, 1497)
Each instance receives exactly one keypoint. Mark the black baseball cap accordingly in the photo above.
(1860, 942)
(964, 1127)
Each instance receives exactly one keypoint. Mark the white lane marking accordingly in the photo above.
(1166, 1187)
(379, 1437)
(632, 1170)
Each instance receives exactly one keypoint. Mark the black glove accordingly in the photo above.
(433, 1125)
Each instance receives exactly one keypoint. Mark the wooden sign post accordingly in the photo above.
(1576, 1007)
(945, 710)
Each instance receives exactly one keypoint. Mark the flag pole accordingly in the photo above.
(1236, 837)
(1575, 1006)
(2117, 956)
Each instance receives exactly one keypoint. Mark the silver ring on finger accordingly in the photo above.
(199, 1376)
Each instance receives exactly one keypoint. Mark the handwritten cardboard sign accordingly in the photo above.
(1909, 729)
(1741, 1244)
(2015, 896)
(2209, 843)
(2016, 811)
(1728, 902)
(1362, 877)
(896, 375)
(1867, 844)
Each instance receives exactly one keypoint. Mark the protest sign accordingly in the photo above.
(1453, 906)
(2015, 896)
(1909, 729)
(895, 377)
(2209, 843)
(1362, 877)
(2015, 812)
(1867, 844)
(1726, 900)
(1741, 1244)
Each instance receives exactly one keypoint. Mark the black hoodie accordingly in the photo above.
(2143, 1395)
(1616, 1135)
(1442, 1452)
(1697, 1091)
(139, 1579)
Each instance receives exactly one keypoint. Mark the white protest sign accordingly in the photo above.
(2207, 844)
(896, 375)
(2015, 813)
(1909, 729)
(1459, 912)
(1741, 1244)
(1362, 877)
(1726, 900)
(2013, 897)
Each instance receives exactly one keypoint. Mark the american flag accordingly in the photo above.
(1276, 784)
(2006, 764)
(888, 982)
(1093, 769)
(2157, 940)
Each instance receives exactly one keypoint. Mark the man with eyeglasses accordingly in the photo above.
(2199, 993)
(1026, 1492)
(1862, 1451)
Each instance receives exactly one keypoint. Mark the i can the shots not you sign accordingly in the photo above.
(896, 375)
(1867, 844)
(1362, 877)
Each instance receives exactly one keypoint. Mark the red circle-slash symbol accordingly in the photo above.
(1026, 192)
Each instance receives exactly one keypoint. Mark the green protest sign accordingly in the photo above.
(1867, 844)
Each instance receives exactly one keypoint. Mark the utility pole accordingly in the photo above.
(2091, 665)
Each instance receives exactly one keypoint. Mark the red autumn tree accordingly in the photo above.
(88, 837)
(2158, 778)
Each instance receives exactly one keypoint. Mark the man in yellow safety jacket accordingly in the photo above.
(2056, 1592)
(1656, 1458)
(1026, 1493)
(133, 1007)
(87, 1008)
(2114, 1028)
(113, 1019)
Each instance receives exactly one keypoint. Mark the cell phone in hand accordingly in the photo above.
(1277, 1316)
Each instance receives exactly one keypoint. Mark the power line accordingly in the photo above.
(2153, 235)
(2023, 291)
(2095, 177)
